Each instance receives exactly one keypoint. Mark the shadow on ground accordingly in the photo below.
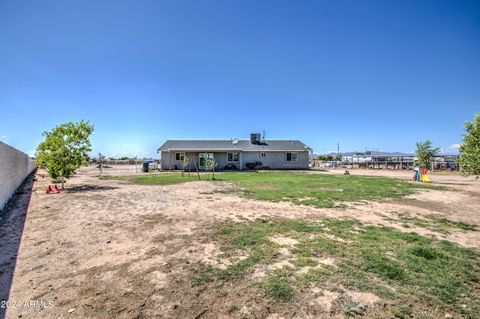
(455, 183)
(12, 221)
(88, 188)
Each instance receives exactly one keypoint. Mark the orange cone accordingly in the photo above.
(52, 190)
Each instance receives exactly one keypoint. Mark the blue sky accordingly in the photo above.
(367, 74)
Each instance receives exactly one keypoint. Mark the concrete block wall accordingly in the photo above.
(15, 166)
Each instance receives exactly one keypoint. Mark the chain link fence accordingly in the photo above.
(113, 167)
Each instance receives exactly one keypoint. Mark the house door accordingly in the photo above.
(202, 157)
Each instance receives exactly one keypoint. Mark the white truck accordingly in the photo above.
(149, 165)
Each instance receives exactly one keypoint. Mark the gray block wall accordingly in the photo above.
(276, 160)
(168, 159)
(15, 166)
(273, 159)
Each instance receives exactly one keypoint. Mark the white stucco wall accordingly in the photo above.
(15, 166)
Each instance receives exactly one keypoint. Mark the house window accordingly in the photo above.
(179, 156)
(232, 157)
(292, 157)
(263, 154)
(203, 157)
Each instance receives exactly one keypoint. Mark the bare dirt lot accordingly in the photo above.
(110, 249)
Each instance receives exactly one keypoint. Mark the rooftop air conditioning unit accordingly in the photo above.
(255, 138)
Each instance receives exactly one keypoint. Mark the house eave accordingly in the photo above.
(230, 150)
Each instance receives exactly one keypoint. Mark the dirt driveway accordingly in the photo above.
(109, 249)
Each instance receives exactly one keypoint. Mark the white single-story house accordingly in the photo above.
(235, 154)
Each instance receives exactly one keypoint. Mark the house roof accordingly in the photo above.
(228, 145)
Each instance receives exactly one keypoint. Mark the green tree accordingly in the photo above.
(210, 165)
(184, 164)
(65, 149)
(425, 153)
(101, 160)
(470, 148)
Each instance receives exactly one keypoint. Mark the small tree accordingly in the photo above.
(470, 148)
(65, 149)
(101, 159)
(425, 153)
(184, 164)
(210, 166)
(196, 168)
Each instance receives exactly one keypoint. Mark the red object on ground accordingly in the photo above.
(52, 190)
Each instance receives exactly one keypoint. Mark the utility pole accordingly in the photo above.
(338, 151)
(100, 160)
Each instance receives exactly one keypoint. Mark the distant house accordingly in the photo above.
(236, 154)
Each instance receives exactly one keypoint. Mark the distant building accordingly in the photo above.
(395, 160)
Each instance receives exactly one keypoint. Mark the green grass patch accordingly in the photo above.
(315, 189)
(402, 311)
(306, 261)
(445, 224)
(164, 179)
(278, 287)
(434, 275)
(305, 189)
(115, 178)
(385, 267)
(435, 223)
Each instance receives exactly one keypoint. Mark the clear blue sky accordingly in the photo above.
(376, 74)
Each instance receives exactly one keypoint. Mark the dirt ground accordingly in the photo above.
(108, 249)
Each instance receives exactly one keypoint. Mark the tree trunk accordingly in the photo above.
(63, 187)
(196, 167)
